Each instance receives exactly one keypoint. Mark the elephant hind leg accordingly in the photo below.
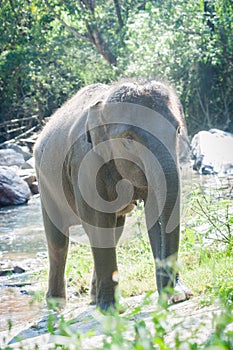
(58, 244)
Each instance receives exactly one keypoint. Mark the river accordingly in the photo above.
(21, 230)
(22, 243)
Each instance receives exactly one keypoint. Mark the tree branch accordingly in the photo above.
(93, 32)
(69, 28)
(118, 12)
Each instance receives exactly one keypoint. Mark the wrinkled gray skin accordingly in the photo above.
(78, 128)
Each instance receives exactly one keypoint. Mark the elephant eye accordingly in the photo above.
(129, 138)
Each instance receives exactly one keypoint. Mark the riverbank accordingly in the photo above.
(142, 323)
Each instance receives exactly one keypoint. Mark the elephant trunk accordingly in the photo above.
(162, 210)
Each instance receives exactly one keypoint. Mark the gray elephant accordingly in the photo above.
(106, 148)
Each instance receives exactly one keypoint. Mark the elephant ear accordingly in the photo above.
(96, 131)
(94, 123)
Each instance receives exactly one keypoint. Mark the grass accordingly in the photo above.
(207, 243)
(206, 266)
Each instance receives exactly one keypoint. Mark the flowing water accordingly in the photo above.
(22, 243)
(21, 230)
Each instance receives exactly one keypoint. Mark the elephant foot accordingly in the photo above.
(103, 296)
(93, 300)
(106, 307)
(181, 292)
(55, 303)
(105, 300)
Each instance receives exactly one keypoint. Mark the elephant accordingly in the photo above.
(104, 150)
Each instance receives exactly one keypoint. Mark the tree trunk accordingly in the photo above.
(93, 34)
(118, 12)
(102, 48)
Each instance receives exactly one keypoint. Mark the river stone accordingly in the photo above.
(213, 152)
(34, 188)
(9, 157)
(15, 269)
(22, 150)
(13, 190)
(29, 164)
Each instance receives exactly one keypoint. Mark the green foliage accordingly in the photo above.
(49, 49)
(222, 337)
(184, 43)
(211, 216)
(206, 246)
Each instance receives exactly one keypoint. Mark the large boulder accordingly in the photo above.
(212, 152)
(13, 190)
(9, 157)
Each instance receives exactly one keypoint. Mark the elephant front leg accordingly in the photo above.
(105, 270)
(118, 232)
(164, 238)
(165, 258)
(101, 230)
(165, 252)
(168, 271)
(93, 288)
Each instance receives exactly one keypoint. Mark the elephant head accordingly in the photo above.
(140, 140)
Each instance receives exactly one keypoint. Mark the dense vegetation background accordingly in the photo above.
(51, 48)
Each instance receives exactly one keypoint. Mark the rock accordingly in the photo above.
(26, 172)
(212, 152)
(5, 273)
(27, 175)
(13, 190)
(34, 188)
(21, 150)
(29, 179)
(29, 164)
(15, 269)
(30, 142)
(9, 157)
(18, 269)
